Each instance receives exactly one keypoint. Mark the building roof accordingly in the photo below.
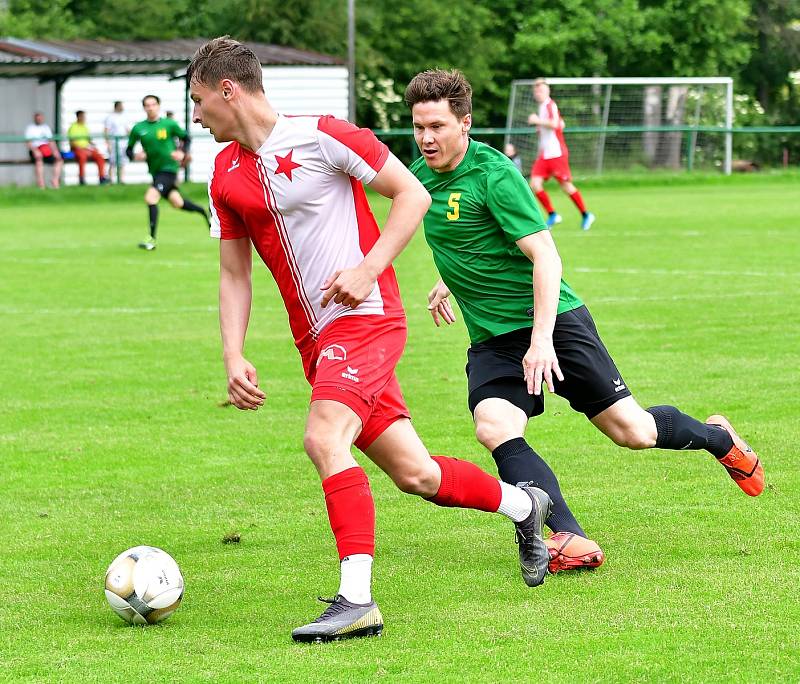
(50, 59)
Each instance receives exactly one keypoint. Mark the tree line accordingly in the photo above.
(757, 42)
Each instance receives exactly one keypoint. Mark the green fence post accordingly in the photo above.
(117, 161)
(689, 151)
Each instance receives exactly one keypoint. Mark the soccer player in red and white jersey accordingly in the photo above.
(291, 187)
(553, 159)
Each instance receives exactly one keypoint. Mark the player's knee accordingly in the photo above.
(490, 433)
(634, 436)
(319, 446)
(419, 481)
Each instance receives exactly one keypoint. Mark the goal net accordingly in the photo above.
(630, 123)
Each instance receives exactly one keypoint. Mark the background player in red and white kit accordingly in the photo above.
(292, 188)
(553, 159)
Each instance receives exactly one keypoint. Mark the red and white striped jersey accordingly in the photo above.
(551, 142)
(300, 200)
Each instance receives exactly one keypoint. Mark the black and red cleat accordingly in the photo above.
(569, 551)
(741, 461)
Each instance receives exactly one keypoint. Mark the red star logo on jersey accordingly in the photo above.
(286, 165)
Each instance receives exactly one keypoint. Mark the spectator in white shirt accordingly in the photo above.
(42, 150)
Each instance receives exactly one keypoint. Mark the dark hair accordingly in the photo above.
(117, 103)
(147, 97)
(438, 84)
(225, 57)
(79, 112)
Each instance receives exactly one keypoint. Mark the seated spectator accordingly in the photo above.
(81, 145)
(43, 150)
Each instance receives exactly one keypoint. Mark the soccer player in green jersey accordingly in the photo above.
(526, 325)
(157, 137)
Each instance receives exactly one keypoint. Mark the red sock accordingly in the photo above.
(465, 485)
(545, 201)
(576, 197)
(351, 511)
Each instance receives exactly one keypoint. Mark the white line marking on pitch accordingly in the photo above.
(670, 272)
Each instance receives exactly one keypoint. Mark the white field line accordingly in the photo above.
(103, 311)
(633, 299)
(128, 262)
(680, 272)
(125, 310)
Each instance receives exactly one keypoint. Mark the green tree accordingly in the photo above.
(318, 25)
(776, 26)
(397, 41)
(41, 19)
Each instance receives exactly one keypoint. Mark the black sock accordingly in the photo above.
(517, 462)
(153, 208)
(678, 431)
(188, 205)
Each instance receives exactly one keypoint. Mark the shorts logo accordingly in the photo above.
(618, 386)
(333, 352)
(351, 374)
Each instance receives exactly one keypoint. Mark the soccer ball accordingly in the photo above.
(144, 585)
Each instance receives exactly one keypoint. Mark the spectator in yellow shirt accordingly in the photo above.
(80, 143)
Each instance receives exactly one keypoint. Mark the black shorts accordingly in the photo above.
(50, 159)
(591, 382)
(165, 182)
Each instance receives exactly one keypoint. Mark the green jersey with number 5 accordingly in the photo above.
(479, 210)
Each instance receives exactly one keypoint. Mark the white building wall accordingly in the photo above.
(19, 99)
(290, 90)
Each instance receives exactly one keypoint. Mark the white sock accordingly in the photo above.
(514, 503)
(356, 578)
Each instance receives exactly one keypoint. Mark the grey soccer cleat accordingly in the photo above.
(148, 244)
(342, 620)
(533, 554)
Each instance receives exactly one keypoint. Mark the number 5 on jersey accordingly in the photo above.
(452, 215)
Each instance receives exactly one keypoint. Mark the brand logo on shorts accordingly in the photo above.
(351, 374)
(333, 352)
(618, 386)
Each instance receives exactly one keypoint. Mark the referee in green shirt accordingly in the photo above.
(527, 326)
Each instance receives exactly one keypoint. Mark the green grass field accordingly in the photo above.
(114, 432)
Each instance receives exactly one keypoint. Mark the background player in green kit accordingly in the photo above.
(497, 258)
(157, 137)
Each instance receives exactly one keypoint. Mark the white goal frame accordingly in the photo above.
(643, 81)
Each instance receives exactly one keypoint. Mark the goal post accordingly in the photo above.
(629, 123)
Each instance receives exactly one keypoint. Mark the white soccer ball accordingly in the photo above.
(144, 585)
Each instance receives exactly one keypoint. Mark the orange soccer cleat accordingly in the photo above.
(569, 551)
(741, 461)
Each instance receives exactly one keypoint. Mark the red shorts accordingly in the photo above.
(557, 167)
(353, 363)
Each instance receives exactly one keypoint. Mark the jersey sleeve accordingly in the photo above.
(177, 130)
(350, 149)
(225, 223)
(133, 137)
(511, 202)
(553, 114)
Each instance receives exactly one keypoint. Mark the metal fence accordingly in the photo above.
(593, 149)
